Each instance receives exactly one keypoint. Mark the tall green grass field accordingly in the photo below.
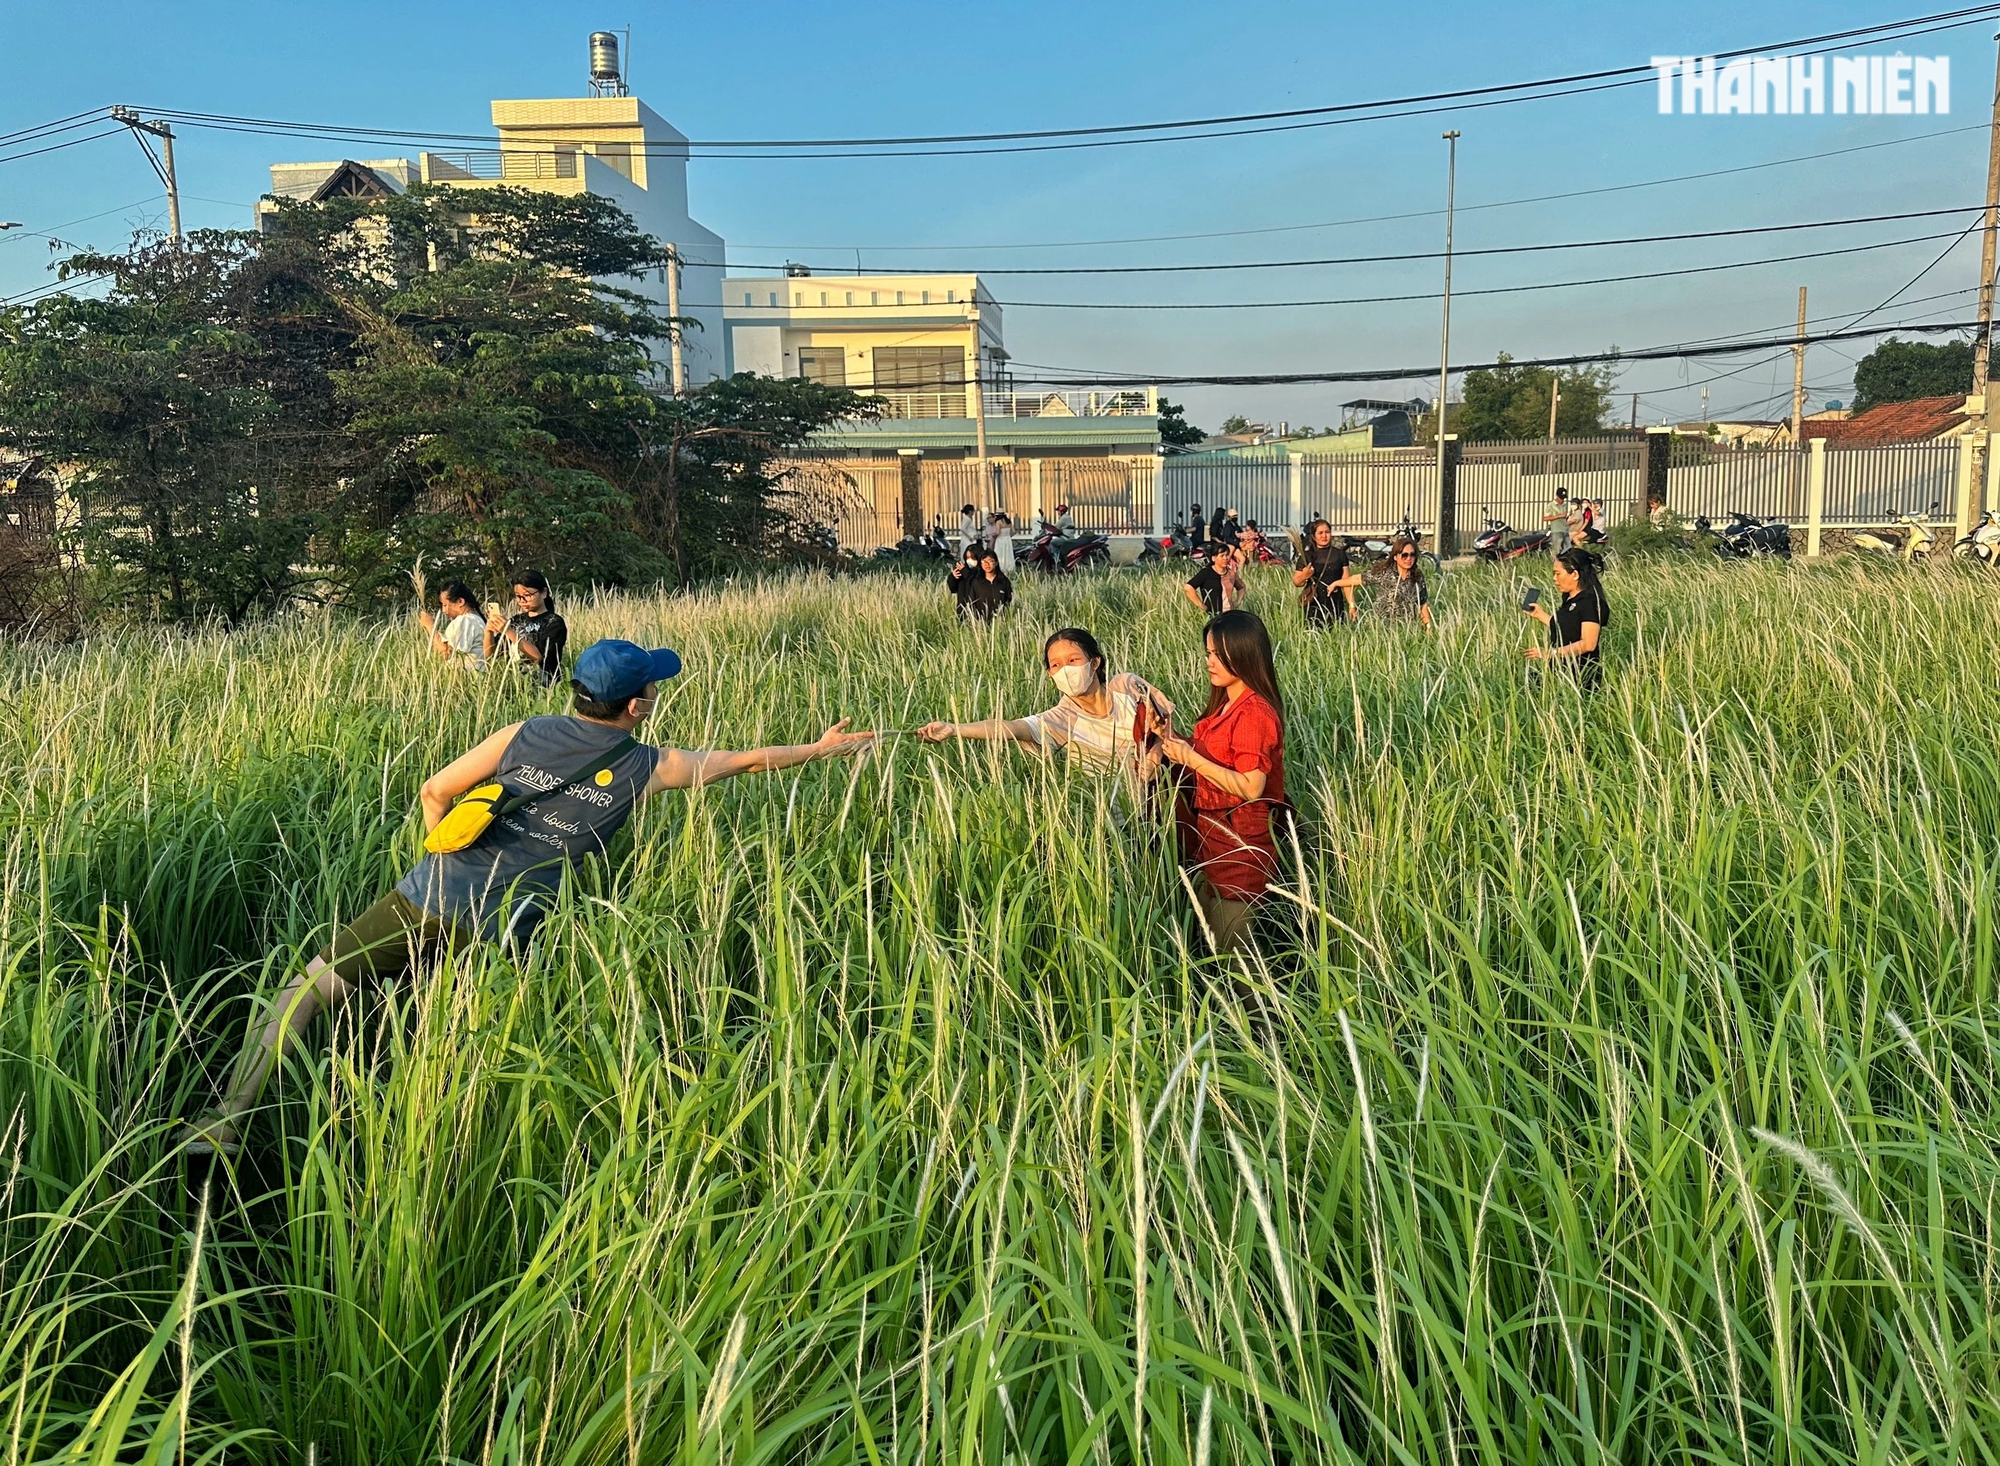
(1616, 1080)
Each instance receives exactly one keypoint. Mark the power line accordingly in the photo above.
(1119, 134)
(1390, 374)
(58, 147)
(1817, 254)
(49, 129)
(1403, 258)
(1544, 198)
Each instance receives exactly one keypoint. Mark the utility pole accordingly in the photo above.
(165, 134)
(1799, 376)
(1635, 412)
(1444, 364)
(1983, 346)
(674, 310)
(979, 399)
(1555, 397)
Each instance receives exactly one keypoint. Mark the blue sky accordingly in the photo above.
(788, 70)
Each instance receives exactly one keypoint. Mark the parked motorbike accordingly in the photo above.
(1055, 554)
(1497, 541)
(1983, 542)
(1177, 544)
(1747, 537)
(923, 548)
(1908, 545)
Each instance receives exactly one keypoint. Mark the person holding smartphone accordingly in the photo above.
(1576, 626)
(535, 637)
(1324, 578)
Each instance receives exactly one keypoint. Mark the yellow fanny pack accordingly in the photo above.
(477, 809)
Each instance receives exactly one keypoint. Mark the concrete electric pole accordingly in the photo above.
(165, 134)
(1982, 346)
(1444, 366)
(674, 310)
(1799, 376)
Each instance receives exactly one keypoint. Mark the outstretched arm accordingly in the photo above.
(466, 771)
(992, 730)
(684, 768)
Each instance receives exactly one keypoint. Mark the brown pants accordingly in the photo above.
(383, 940)
(1228, 921)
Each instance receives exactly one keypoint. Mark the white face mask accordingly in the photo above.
(1075, 679)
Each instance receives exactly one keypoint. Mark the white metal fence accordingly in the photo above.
(1836, 488)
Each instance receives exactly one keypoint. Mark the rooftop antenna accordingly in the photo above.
(606, 80)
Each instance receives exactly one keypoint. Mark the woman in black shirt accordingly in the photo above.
(1326, 585)
(1577, 625)
(964, 570)
(535, 637)
(985, 592)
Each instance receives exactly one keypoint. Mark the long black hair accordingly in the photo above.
(1243, 646)
(1583, 565)
(458, 590)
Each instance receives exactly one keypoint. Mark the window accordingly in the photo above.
(927, 297)
(774, 297)
(616, 156)
(874, 297)
(951, 297)
(824, 364)
(798, 297)
(746, 297)
(850, 297)
(919, 367)
(822, 297)
(899, 297)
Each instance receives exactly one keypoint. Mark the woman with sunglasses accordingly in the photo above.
(1237, 759)
(1400, 593)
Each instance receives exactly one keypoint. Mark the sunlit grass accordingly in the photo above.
(1619, 1085)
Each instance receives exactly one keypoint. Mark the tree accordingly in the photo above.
(447, 373)
(1235, 423)
(1175, 430)
(1902, 371)
(1508, 401)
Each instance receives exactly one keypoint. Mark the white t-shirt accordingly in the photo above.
(1105, 743)
(466, 635)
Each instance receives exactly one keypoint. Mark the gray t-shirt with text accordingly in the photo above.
(503, 884)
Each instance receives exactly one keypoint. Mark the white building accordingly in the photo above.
(613, 146)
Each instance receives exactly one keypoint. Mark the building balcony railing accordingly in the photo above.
(953, 401)
(1076, 402)
(499, 163)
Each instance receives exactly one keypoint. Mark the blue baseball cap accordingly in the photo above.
(617, 671)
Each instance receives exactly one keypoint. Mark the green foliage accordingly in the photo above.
(1236, 422)
(1175, 430)
(1512, 402)
(255, 419)
(1619, 1087)
(1639, 537)
(1902, 371)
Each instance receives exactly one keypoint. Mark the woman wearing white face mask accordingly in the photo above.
(1108, 721)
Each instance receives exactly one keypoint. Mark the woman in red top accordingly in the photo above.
(1237, 757)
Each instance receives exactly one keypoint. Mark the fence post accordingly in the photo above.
(1659, 453)
(1159, 490)
(1297, 487)
(1991, 498)
(1446, 541)
(913, 491)
(1964, 495)
(1815, 493)
(1034, 492)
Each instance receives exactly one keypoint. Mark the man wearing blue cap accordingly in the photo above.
(570, 781)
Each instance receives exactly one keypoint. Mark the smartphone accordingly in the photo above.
(1531, 598)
